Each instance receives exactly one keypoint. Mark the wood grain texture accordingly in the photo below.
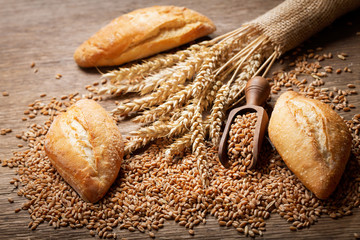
(48, 32)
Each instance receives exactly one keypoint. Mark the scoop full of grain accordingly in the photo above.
(241, 139)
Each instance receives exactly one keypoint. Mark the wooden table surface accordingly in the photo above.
(48, 32)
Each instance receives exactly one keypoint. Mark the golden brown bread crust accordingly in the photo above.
(86, 148)
(142, 33)
(312, 139)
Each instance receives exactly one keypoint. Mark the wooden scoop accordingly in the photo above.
(257, 91)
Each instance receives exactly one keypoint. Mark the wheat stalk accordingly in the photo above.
(177, 90)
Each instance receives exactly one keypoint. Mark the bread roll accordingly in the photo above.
(312, 139)
(86, 148)
(142, 33)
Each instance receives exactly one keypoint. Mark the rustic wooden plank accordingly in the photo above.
(48, 32)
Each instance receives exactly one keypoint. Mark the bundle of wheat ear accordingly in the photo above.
(185, 95)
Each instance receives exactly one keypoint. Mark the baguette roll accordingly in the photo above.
(86, 148)
(312, 139)
(142, 33)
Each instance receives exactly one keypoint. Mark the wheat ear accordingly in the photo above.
(178, 148)
(201, 83)
(172, 86)
(149, 66)
(174, 75)
(198, 146)
(218, 114)
(144, 136)
(185, 120)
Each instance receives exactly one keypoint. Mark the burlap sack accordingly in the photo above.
(294, 21)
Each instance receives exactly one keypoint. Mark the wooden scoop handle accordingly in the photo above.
(257, 90)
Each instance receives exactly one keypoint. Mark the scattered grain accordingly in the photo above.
(341, 56)
(5, 94)
(151, 234)
(151, 189)
(292, 228)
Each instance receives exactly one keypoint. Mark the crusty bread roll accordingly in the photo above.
(142, 33)
(86, 148)
(312, 139)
